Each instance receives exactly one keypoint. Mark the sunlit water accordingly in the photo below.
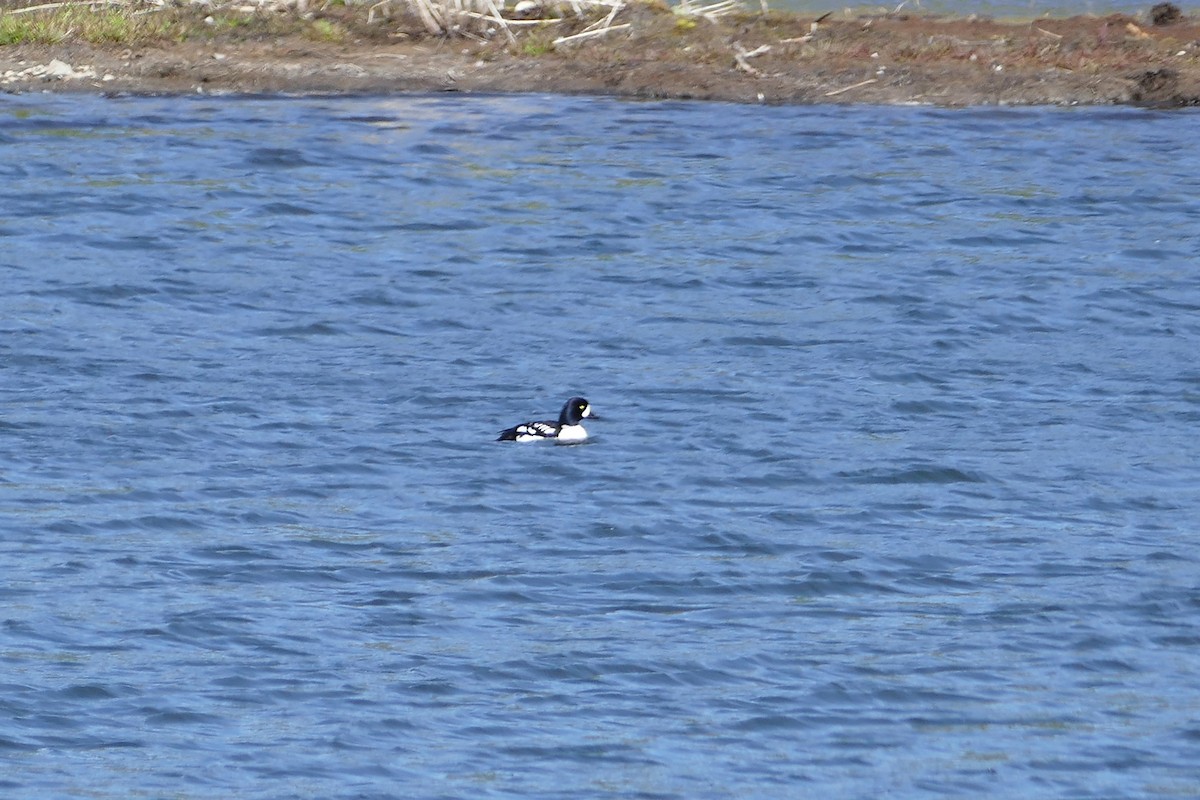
(897, 491)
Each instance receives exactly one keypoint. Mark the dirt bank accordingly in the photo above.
(745, 57)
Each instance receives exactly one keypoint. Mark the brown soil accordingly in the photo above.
(861, 59)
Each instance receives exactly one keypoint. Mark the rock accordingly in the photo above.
(59, 70)
(527, 9)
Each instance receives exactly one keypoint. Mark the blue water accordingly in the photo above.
(897, 491)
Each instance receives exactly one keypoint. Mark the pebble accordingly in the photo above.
(54, 71)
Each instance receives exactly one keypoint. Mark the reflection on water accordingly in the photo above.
(894, 491)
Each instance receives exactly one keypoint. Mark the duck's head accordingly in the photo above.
(576, 409)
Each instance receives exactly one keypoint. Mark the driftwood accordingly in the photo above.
(589, 34)
(711, 12)
(742, 56)
(481, 18)
(835, 92)
(51, 6)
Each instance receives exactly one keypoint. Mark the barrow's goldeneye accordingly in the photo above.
(566, 430)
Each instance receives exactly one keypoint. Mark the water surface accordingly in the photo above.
(896, 494)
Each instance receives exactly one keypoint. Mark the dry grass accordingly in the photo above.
(143, 22)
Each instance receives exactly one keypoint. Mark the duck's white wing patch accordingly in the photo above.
(532, 431)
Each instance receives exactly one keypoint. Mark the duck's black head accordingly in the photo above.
(576, 409)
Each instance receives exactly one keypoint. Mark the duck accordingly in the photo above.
(567, 430)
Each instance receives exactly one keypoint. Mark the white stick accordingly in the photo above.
(430, 17)
(743, 64)
(607, 21)
(586, 34)
(499, 19)
(48, 6)
(512, 22)
(852, 86)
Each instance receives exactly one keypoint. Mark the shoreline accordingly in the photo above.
(778, 58)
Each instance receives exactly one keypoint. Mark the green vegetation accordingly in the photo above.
(135, 24)
(99, 25)
(537, 41)
(29, 30)
(226, 23)
(532, 48)
(324, 30)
